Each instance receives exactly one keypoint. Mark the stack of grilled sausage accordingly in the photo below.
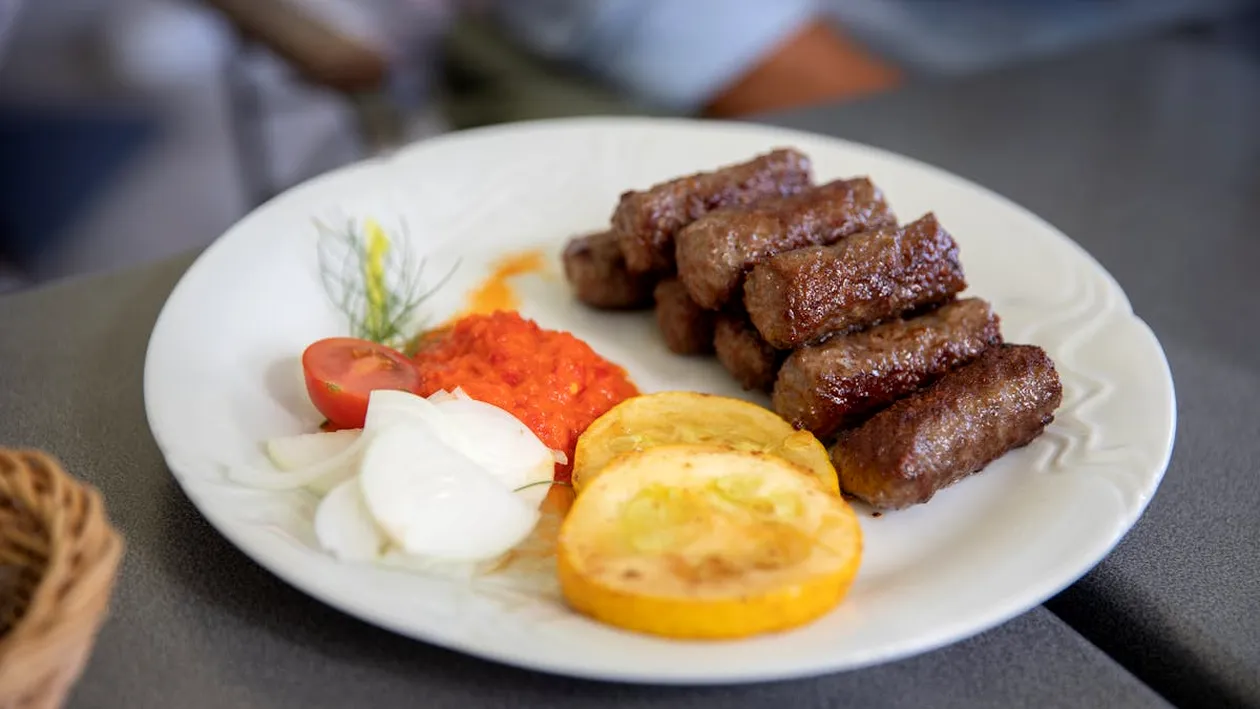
(852, 322)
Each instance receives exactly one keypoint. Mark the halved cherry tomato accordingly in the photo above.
(342, 371)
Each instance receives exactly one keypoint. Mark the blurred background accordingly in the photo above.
(131, 130)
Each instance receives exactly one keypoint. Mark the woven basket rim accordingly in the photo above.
(64, 553)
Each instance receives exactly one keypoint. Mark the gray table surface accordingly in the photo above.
(1146, 154)
(1149, 157)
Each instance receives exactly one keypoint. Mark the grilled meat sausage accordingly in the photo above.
(716, 250)
(834, 385)
(955, 427)
(596, 271)
(686, 327)
(799, 296)
(745, 355)
(647, 221)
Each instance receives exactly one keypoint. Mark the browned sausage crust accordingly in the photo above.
(825, 388)
(799, 296)
(596, 271)
(647, 221)
(686, 327)
(745, 355)
(971, 416)
(716, 250)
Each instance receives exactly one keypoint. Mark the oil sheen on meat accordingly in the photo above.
(647, 221)
(801, 296)
(968, 418)
(837, 384)
(716, 250)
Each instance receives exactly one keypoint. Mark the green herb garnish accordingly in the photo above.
(373, 279)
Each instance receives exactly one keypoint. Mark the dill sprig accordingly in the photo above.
(373, 279)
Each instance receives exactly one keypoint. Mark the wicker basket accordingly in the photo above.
(58, 559)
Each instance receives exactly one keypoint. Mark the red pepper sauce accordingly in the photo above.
(550, 380)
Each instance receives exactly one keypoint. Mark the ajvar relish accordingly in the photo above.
(550, 380)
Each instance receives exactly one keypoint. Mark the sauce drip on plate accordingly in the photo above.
(496, 293)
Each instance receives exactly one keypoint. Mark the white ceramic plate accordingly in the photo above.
(221, 375)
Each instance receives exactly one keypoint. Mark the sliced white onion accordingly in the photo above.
(306, 449)
(493, 438)
(497, 441)
(444, 480)
(344, 526)
(323, 475)
(387, 407)
(432, 500)
(438, 397)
